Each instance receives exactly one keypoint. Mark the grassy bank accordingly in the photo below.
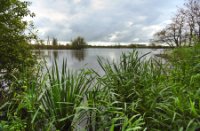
(135, 94)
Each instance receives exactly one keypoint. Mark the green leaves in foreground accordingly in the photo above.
(163, 98)
(62, 93)
(133, 94)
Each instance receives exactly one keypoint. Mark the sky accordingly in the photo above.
(119, 21)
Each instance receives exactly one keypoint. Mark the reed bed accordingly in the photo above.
(132, 94)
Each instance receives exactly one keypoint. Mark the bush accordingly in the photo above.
(79, 43)
(14, 49)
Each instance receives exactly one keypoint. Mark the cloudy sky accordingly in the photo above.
(131, 21)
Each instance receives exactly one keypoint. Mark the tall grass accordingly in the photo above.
(133, 84)
(160, 93)
(63, 92)
(132, 94)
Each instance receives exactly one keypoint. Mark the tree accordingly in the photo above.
(190, 20)
(14, 48)
(192, 12)
(54, 42)
(78, 43)
(184, 26)
(172, 34)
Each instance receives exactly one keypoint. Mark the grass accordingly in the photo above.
(133, 94)
(62, 94)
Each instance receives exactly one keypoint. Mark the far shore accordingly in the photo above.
(68, 47)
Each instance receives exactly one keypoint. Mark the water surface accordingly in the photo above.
(87, 58)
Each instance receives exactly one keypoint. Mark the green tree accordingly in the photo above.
(79, 43)
(14, 48)
(55, 42)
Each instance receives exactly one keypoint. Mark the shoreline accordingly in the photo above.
(61, 47)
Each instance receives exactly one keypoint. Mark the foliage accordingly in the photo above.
(78, 43)
(19, 106)
(54, 42)
(14, 49)
(62, 94)
(132, 94)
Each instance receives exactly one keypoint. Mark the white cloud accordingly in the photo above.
(98, 4)
(152, 29)
(129, 24)
(77, 1)
(135, 39)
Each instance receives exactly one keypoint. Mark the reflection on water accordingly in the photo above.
(55, 54)
(87, 58)
(79, 54)
(43, 53)
(38, 52)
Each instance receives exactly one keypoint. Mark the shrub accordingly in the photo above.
(79, 43)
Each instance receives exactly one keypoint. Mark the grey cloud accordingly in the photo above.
(118, 21)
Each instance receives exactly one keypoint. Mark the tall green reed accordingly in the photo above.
(125, 83)
(63, 92)
(133, 94)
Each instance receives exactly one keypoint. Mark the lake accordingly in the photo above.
(87, 58)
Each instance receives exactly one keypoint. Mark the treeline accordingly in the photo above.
(67, 46)
(129, 46)
(184, 26)
(77, 43)
(80, 43)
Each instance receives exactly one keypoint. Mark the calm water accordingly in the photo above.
(87, 58)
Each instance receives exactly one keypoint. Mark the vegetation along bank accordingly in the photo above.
(134, 94)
